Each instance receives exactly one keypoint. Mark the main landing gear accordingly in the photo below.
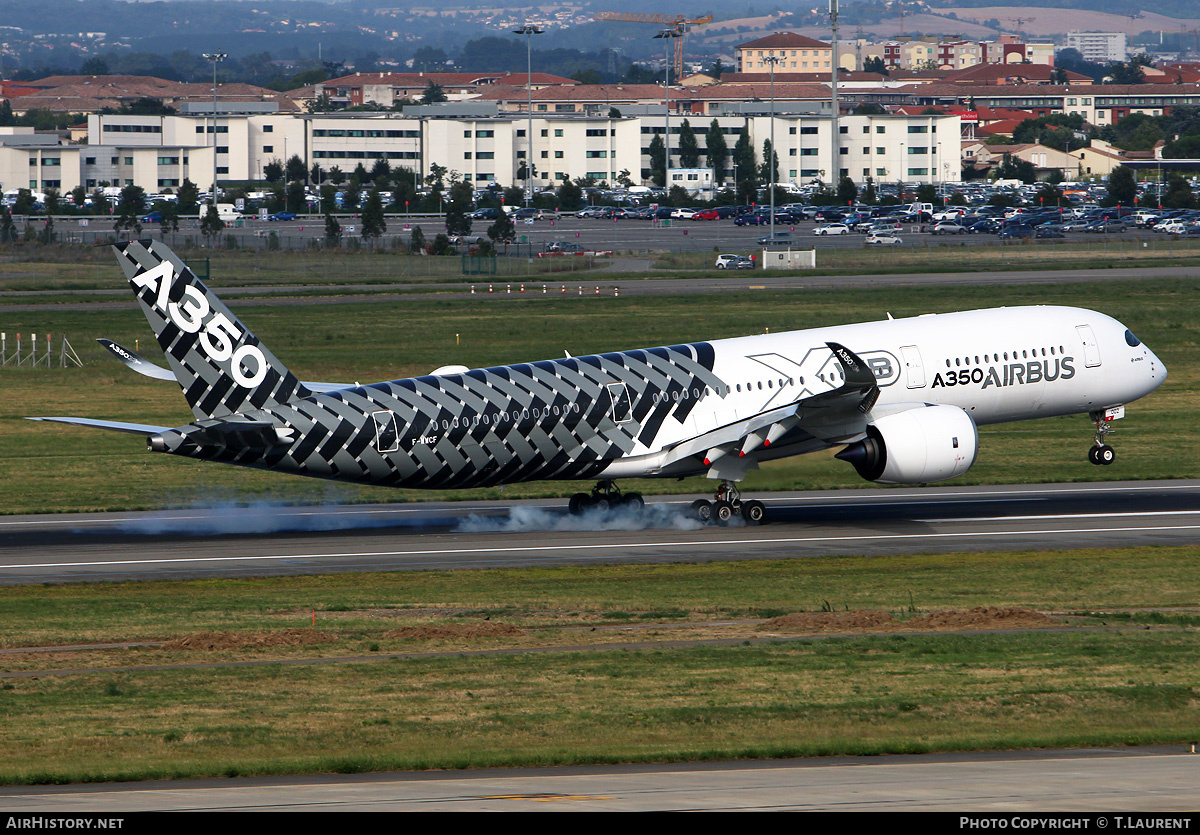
(605, 496)
(1102, 453)
(727, 505)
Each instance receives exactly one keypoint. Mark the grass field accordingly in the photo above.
(633, 663)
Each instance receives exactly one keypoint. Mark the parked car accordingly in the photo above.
(283, 216)
(752, 219)
(779, 239)
(1043, 232)
(707, 214)
(545, 214)
(883, 239)
(734, 262)
(832, 229)
(1075, 226)
(1011, 232)
(948, 227)
(485, 214)
(954, 214)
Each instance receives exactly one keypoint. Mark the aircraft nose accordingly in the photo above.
(1156, 371)
(1160, 365)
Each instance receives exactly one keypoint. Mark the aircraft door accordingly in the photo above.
(915, 368)
(1091, 348)
(387, 439)
(620, 407)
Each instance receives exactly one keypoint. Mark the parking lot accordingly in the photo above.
(617, 235)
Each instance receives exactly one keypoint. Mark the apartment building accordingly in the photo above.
(1101, 47)
(795, 53)
(36, 161)
(885, 148)
(930, 53)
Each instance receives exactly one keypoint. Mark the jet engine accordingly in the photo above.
(917, 446)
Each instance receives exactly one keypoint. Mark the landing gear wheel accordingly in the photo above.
(634, 501)
(722, 512)
(604, 497)
(1102, 453)
(702, 510)
(753, 512)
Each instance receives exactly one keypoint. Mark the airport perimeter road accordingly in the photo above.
(259, 541)
(1123, 782)
(616, 276)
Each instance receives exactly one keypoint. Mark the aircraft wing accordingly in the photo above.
(111, 425)
(136, 362)
(828, 414)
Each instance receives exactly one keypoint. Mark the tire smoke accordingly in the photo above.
(524, 519)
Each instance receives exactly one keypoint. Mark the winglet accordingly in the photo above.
(859, 377)
(136, 362)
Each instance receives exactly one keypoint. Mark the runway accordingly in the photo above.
(266, 540)
(1120, 781)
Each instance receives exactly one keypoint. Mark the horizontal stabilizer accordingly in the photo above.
(111, 425)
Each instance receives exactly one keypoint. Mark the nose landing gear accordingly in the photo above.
(1102, 453)
(728, 505)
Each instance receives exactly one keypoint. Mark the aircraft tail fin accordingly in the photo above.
(220, 364)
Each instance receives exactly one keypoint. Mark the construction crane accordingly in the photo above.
(678, 22)
(1020, 21)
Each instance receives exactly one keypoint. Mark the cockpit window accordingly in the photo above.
(1132, 340)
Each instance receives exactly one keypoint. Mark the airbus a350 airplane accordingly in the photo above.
(902, 397)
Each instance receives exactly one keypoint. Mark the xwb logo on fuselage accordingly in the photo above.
(217, 335)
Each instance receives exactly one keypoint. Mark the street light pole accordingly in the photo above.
(667, 35)
(529, 30)
(772, 60)
(216, 58)
(835, 107)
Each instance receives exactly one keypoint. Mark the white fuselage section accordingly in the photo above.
(1000, 364)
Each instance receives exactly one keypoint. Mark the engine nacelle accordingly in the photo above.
(917, 446)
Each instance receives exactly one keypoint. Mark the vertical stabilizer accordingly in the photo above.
(219, 363)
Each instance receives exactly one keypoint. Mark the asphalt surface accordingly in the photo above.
(1133, 788)
(266, 540)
